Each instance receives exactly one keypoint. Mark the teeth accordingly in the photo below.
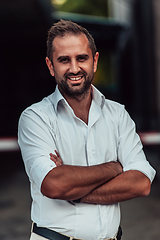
(75, 78)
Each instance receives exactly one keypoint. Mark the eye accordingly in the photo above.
(82, 58)
(65, 60)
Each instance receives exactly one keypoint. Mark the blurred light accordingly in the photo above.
(58, 2)
(150, 138)
(8, 144)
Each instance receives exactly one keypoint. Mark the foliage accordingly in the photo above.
(90, 7)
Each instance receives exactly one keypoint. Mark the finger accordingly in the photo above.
(57, 153)
(53, 155)
(56, 158)
(53, 159)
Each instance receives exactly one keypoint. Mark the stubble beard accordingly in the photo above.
(75, 92)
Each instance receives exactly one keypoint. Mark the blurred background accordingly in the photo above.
(127, 36)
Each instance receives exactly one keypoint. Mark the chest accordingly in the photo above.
(81, 144)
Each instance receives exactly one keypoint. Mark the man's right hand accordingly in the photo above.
(56, 158)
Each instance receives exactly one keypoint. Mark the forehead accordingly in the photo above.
(71, 44)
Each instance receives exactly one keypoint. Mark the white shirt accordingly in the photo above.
(110, 135)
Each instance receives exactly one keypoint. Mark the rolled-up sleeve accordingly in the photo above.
(36, 141)
(130, 149)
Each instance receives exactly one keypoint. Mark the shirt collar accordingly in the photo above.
(98, 97)
(56, 98)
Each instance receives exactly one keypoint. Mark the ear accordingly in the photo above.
(50, 66)
(95, 61)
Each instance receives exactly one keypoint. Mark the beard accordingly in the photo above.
(77, 90)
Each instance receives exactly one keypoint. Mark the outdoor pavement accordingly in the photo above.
(140, 217)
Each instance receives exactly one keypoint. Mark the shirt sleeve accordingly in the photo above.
(36, 140)
(130, 149)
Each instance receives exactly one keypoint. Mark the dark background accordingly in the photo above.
(25, 78)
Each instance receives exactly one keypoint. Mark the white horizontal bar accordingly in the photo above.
(150, 138)
(8, 144)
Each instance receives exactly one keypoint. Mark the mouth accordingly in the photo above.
(75, 80)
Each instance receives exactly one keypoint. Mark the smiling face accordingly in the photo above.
(73, 65)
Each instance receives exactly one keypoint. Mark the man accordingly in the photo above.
(98, 159)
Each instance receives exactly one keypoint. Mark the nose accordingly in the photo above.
(74, 66)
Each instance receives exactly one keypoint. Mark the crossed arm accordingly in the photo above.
(101, 184)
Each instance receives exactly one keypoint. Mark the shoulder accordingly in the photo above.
(117, 113)
(113, 107)
(43, 110)
(106, 104)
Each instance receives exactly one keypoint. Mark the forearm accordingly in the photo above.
(71, 182)
(125, 186)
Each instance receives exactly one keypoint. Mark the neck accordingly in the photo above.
(81, 105)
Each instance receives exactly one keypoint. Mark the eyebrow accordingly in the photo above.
(83, 55)
(86, 56)
(62, 57)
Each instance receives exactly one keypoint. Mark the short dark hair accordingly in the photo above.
(63, 27)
